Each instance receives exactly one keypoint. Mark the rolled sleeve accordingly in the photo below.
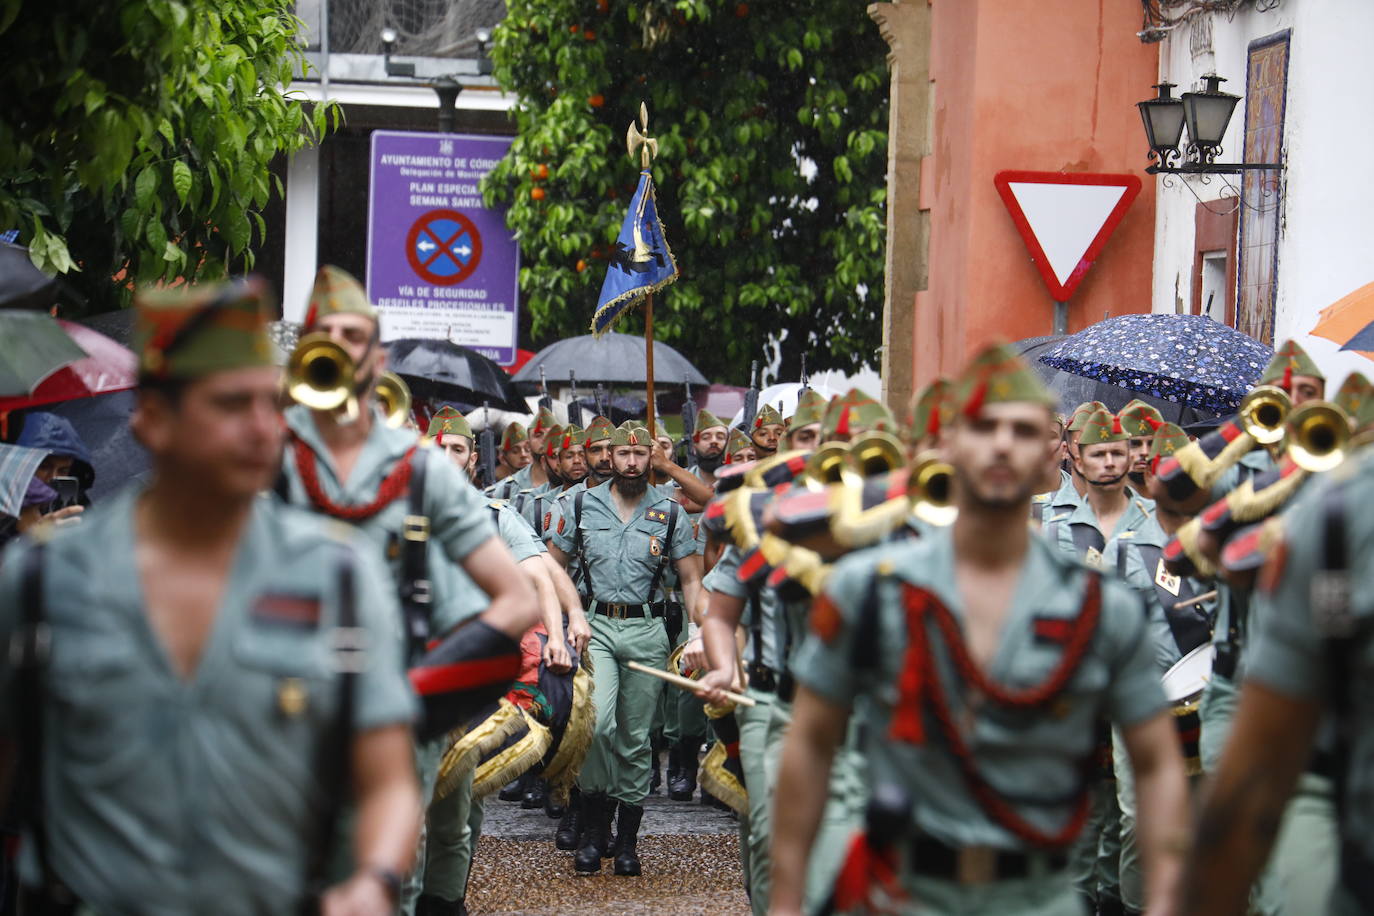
(1134, 693)
(458, 519)
(1288, 653)
(684, 541)
(724, 576)
(823, 663)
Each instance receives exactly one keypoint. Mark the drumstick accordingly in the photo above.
(687, 683)
(1180, 605)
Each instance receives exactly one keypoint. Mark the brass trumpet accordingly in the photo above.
(824, 466)
(930, 490)
(1264, 414)
(876, 453)
(1318, 436)
(319, 373)
(394, 395)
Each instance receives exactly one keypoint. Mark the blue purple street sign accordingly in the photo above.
(439, 263)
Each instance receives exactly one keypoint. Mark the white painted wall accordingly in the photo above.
(1326, 236)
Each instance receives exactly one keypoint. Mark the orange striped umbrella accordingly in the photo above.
(1347, 317)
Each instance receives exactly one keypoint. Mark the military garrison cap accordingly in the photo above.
(928, 409)
(190, 332)
(336, 292)
(706, 420)
(1101, 427)
(1169, 439)
(599, 431)
(1140, 419)
(1082, 412)
(810, 409)
(854, 411)
(996, 375)
(1289, 360)
(448, 422)
(513, 435)
(544, 421)
(767, 416)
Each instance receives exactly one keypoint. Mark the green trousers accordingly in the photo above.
(617, 762)
(1095, 857)
(681, 714)
(450, 840)
(1050, 894)
(427, 759)
(761, 733)
(1303, 866)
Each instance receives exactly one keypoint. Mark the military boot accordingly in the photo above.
(429, 905)
(570, 825)
(596, 816)
(627, 839)
(685, 786)
(536, 792)
(513, 791)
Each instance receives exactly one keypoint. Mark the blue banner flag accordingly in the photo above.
(642, 262)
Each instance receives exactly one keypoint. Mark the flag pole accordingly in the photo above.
(649, 361)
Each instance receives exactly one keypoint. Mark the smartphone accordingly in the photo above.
(67, 491)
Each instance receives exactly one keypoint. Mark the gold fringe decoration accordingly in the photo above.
(562, 770)
(739, 518)
(1257, 504)
(721, 783)
(1204, 471)
(469, 747)
(1187, 538)
(514, 761)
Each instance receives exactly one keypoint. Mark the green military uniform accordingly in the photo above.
(171, 796)
(453, 823)
(776, 629)
(623, 564)
(511, 437)
(166, 794)
(1299, 651)
(377, 490)
(1032, 758)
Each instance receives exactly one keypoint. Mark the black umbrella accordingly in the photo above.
(615, 359)
(1072, 390)
(621, 407)
(445, 371)
(102, 422)
(23, 286)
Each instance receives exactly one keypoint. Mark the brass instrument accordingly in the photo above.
(1264, 414)
(394, 395)
(876, 453)
(1318, 436)
(320, 373)
(824, 466)
(930, 490)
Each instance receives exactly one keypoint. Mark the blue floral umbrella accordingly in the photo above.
(1182, 359)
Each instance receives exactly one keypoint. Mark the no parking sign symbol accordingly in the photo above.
(444, 247)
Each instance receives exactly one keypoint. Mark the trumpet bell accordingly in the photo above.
(319, 373)
(394, 396)
(876, 453)
(1264, 413)
(824, 466)
(930, 490)
(1318, 436)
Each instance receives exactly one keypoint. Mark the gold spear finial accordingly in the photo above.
(637, 138)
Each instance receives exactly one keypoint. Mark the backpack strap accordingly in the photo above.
(32, 649)
(1189, 626)
(416, 588)
(335, 752)
(578, 551)
(664, 558)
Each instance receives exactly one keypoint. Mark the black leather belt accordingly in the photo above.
(766, 680)
(1225, 662)
(978, 864)
(629, 611)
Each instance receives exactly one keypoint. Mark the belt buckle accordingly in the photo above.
(976, 865)
(618, 611)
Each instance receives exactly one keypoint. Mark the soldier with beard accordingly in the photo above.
(625, 535)
(708, 445)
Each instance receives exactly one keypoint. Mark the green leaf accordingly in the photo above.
(156, 234)
(181, 180)
(145, 186)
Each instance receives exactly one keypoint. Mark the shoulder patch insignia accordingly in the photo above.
(548, 517)
(298, 611)
(1055, 630)
(656, 515)
(561, 519)
(825, 618)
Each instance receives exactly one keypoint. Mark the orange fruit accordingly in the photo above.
(597, 100)
(574, 29)
(536, 193)
(741, 10)
(581, 266)
(589, 35)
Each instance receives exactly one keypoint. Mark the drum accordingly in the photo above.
(1183, 686)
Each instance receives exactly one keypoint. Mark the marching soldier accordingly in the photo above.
(926, 419)
(1072, 488)
(515, 457)
(219, 674)
(709, 437)
(411, 503)
(1309, 656)
(1140, 420)
(625, 536)
(739, 448)
(804, 427)
(979, 660)
(852, 414)
(767, 431)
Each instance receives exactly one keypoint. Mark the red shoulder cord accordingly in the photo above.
(393, 486)
(920, 677)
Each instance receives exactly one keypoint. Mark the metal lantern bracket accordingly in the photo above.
(1164, 118)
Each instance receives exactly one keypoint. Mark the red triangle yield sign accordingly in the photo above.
(1065, 219)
